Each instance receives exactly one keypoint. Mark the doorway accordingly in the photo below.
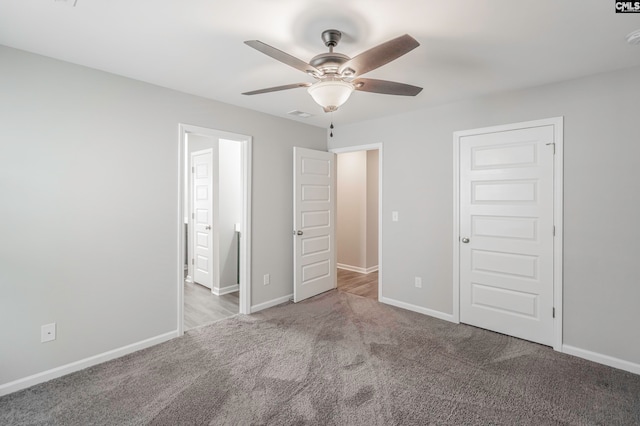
(359, 220)
(508, 229)
(214, 251)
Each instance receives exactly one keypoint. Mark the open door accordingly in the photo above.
(204, 207)
(314, 257)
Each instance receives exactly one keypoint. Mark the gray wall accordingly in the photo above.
(601, 200)
(89, 189)
(357, 209)
(351, 209)
(230, 191)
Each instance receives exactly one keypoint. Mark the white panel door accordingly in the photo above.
(314, 222)
(506, 231)
(203, 216)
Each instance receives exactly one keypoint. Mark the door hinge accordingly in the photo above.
(193, 215)
(554, 230)
(553, 312)
(554, 146)
(193, 169)
(192, 262)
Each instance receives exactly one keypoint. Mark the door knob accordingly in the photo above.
(208, 227)
(299, 233)
(465, 240)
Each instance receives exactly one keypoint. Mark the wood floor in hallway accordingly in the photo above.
(203, 307)
(365, 285)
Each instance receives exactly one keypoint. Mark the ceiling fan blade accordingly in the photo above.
(379, 55)
(282, 57)
(277, 88)
(385, 87)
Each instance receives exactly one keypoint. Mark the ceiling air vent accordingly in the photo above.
(300, 114)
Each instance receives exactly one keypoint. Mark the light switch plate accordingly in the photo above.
(394, 216)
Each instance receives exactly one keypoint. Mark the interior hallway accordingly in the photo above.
(203, 307)
(365, 285)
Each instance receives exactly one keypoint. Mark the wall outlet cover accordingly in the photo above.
(48, 332)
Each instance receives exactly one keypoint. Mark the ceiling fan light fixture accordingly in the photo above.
(348, 72)
(330, 94)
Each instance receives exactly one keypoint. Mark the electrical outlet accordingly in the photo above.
(48, 332)
(418, 282)
(266, 279)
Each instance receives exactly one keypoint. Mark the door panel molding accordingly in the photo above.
(314, 250)
(203, 204)
(524, 154)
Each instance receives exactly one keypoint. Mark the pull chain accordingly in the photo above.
(331, 127)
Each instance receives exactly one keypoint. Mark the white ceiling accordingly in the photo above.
(468, 48)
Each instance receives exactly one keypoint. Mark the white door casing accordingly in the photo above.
(183, 209)
(506, 247)
(204, 206)
(314, 222)
(379, 147)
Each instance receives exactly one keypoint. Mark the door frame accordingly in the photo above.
(245, 235)
(558, 171)
(371, 147)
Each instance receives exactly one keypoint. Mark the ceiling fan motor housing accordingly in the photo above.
(329, 62)
(331, 38)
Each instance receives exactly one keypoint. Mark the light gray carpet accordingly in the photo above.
(337, 359)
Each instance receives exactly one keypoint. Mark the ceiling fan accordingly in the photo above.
(338, 74)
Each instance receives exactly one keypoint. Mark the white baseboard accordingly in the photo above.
(270, 303)
(357, 268)
(225, 290)
(54, 373)
(629, 366)
(419, 309)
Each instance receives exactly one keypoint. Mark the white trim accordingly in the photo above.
(271, 303)
(245, 236)
(182, 143)
(357, 268)
(558, 168)
(54, 373)
(456, 229)
(225, 290)
(629, 366)
(371, 147)
(419, 309)
(558, 241)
